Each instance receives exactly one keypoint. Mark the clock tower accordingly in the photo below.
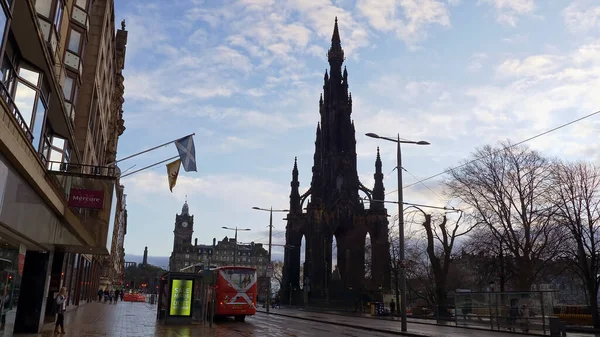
(182, 242)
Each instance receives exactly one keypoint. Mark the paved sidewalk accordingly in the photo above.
(126, 319)
(393, 326)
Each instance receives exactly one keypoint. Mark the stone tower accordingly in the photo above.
(145, 260)
(336, 207)
(182, 241)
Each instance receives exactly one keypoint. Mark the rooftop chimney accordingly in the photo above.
(196, 242)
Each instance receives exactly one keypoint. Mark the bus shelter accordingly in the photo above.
(186, 298)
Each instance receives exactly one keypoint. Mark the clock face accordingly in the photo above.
(184, 224)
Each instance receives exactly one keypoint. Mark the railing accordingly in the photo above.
(81, 17)
(74, 62)
(13, 109)
(73, 168)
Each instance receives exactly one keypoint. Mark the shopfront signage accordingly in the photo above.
(22, 252)
(86, 198)
(181, 297)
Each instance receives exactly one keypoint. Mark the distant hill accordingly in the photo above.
(159, 261)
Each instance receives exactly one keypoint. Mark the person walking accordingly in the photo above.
(100, 295)
(392, 307)
(61, 305)
(117, 292)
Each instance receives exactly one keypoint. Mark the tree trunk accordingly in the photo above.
(593, 301)
(525, 275)
(441, 300)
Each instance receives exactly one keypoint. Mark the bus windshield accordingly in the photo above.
(241, 278)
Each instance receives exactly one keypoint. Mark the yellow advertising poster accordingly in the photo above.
(181, 298)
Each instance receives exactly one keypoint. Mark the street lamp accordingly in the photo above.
(402, 298)
(235, 250)
(270, 210)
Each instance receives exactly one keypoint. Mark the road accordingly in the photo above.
(280, 326)
(126, 319)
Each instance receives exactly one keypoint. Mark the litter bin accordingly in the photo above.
(557, 328)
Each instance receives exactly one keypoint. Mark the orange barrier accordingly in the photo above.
(134, 298)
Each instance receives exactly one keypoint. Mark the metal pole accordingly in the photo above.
(235, 249)
(154, 148)
(149, 166)
(270, 242)
(401, 243)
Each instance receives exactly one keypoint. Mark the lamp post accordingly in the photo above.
(270, 210)
(402, 296)
(236, 230)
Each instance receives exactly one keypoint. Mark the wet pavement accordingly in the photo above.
(393, 326)
(127, 319)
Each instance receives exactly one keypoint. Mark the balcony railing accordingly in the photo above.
(49, 34)
(81, 169)
(13, 109)
(81, 17)
(73, 61)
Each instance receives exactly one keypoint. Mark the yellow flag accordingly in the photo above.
(173, 172)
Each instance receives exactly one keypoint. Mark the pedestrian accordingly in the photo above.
(392, 307)
(5, 307)
(117, 295)
(524, 317)
(61, 305)
(121, 294)
(105, 295)
(100, 295)
(111, 295)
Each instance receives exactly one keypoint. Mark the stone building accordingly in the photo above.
(61, 89)
(336, 208)
(113, 271)
(222, 253)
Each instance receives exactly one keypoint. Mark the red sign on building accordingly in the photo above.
(86, 198)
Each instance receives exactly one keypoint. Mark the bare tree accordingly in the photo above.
(419, 276)
(278, 272)
(506, 187)
(576, 191)
(441, 239)
(490, 260)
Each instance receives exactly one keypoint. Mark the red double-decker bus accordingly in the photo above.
(235, 292)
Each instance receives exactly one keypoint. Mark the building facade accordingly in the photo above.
(226, 252)
(56, 189)
(112, 273)
(336, 208)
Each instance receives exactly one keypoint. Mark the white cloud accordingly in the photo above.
(509, 11)
(533, 66)
(411, 27)
(582, 16)
(477, 60)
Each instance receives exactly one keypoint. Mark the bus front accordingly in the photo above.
(236, 292)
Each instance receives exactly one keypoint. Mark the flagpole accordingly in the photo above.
(149, 166)
(154, 148)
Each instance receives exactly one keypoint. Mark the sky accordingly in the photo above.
(245, 76)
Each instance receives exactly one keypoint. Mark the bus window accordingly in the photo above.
(241, 278)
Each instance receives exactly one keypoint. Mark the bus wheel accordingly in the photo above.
(240, 318)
